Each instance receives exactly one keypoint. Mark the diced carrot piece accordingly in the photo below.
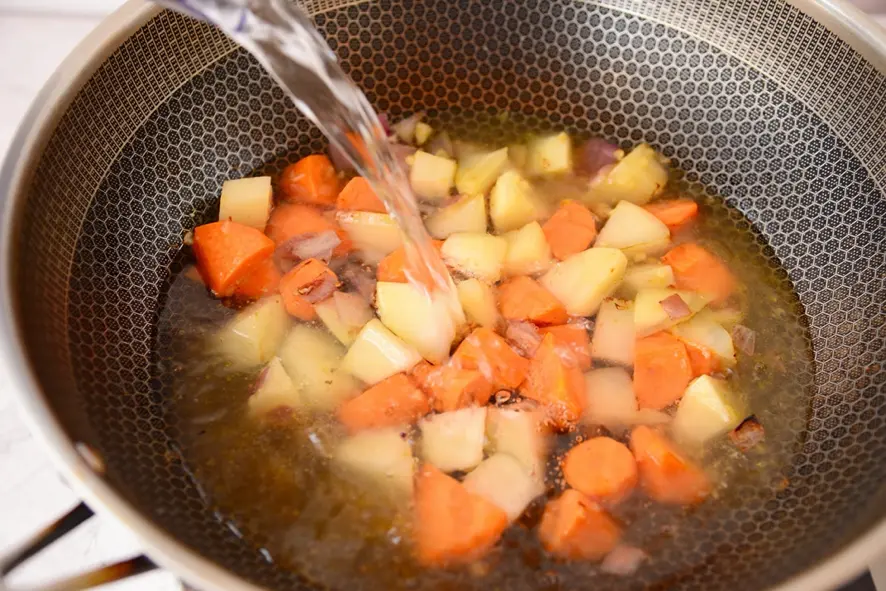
(227, 252)
(665, 475)
(452, 525)
(702, 360)
(359, 196)
(296, 286)
(570, 230)
(493, 356)
(311, 180)
(393, 267)
(451, 387)
(289, 220)
(674, 213)
(560, 387)
(524, 298)
(601, 468)
(576, 528)
(572, 344)
(662, 370)
(696, 269)
(394, 401)
(264, 280)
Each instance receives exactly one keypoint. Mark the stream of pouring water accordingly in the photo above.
(283, 39)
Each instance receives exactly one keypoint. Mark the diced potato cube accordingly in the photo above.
(327, 311)
(505, 482)
(274, 389)
(614, 333)
(253, 336)
(637, 178)
(640, 253)
(528, 251)
(709, 408)
(519, 433)
(464, 149)
(476, 255)
(478, 302)
(518, 154)
(550, 155)
(610, 398)
(629, 226)
(611, 401)
(405, 128)
(583, 280)
(431, 176)
(703, 330)
(478, 172)
(247, 201)
(375, 235)
(422, 132)
(650, 316)
(454, 440)
(512, 203)
(381, 457)
(425, 323)
(468, 214)
(649, 275)
(377, 353)
(312, 358)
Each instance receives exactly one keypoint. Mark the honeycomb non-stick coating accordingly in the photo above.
(140, 156)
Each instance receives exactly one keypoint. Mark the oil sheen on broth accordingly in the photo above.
(275, 481)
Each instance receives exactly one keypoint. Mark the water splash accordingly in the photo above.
(283, 39)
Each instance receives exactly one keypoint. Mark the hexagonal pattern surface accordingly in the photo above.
(808, 207)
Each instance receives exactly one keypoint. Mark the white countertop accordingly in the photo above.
(35, 35)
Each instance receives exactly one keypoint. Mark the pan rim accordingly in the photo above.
(844, 20)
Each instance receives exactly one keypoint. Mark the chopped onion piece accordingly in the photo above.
(385, 123)
(320, 289)
(352, 309)
(440, 141)
(623, 560)
(675, 307)
(502, 397)
(583, 321)
(748, 434)
(405, 129)
(524, 336)
(313, 246)
(744, 338)
(593, 155)
(360, 279)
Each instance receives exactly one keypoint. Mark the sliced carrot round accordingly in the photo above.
(602, 468)
(674, 213)
(665, 475)
(524, 298)
(662, 370)
(452, 525)
(576, 528)
(697, 269)
(358, 195)
(557, 385)
(393, 401)
(228, 252)
(310, 180)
